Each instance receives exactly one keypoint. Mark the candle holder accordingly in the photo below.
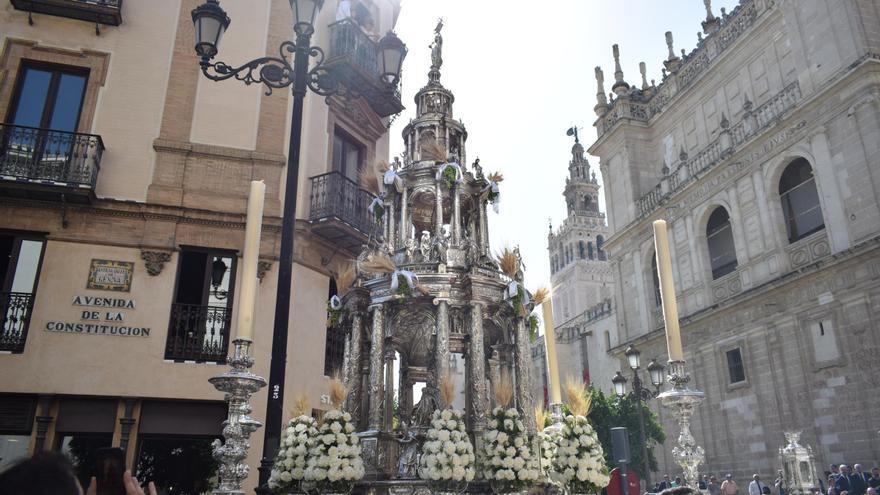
(238, 383)
(683, 400)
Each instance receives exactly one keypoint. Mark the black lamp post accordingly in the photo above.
(210, 22)
(640, 394)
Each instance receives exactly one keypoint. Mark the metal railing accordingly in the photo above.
(45, 155)
(334, 195)
(347, 39)
(107, 12)
(198, 333)
(16, 315)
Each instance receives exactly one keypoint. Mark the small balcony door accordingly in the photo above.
(202, 309)
(44, 116)
(20, 260)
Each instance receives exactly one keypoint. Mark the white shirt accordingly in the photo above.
(755, 487)
(343, 10)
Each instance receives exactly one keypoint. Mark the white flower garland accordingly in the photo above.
(549, 443)
(447, 454)
(335, 459)
(290, 463)
(507, 458)
(579, 457)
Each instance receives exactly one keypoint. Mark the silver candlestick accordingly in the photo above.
(238, 384)
(683, 400)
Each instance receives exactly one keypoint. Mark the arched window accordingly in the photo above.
(590, 250)
(587, 201)
(656, 278)
(719, 237)
(582, 250)
(600, 247)
(800, 200)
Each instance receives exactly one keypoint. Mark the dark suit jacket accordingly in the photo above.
(859, 483)
(842, 483)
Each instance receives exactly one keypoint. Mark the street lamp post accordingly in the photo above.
(640, 394)
(210, 22)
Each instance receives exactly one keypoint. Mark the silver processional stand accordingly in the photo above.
(238, 383)
(683, 400)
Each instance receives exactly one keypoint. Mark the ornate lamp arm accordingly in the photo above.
(277, 72)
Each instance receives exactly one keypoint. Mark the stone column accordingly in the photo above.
(377, 356)
(441, 345)
(404, 395)
(523, 367)
(389, 389)
(477, 369)
(438, 213)
(456, 216)
(404, 222)
(354, 379)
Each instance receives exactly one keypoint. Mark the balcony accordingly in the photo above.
(47, 164)
(107, 12)
(339, 211)
(16, 315)
(198, 333)
(354, 60)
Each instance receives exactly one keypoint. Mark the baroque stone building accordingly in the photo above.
(760, 147)
(124, 175)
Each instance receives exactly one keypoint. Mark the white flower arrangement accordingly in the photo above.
(447, 454)
(507, 459)
(334, 462)
(293, 453)
(579, 457)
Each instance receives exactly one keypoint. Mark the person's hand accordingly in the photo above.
(132, 487)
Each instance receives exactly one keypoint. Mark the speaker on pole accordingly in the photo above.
(620, 445)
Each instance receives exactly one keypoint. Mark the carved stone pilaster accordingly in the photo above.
(524, 376)
(377, 361)
(263, 266)
(154, 261)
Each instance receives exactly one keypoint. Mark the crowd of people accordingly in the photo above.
(840, 480)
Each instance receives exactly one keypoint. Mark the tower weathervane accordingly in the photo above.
(437, 47)
(573, 131)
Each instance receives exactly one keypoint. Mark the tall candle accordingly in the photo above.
(248, 297)
(667, 291)
(550, 344)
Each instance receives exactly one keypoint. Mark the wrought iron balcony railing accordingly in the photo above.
(44, 156)
(108, 12)
(339, 210)
(16, 315)
(198, 333)
(354, 59)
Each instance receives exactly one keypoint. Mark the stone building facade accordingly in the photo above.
(124, 175)
(760, 148)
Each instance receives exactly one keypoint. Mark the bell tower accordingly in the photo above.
(580, 272)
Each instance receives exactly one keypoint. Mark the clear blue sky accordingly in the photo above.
(522, 73)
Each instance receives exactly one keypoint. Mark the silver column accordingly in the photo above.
(438, 221)
(456, 216)
(476, 364)
(523, 367)
(404, 222)
(353, 378)
(377, 357)
(441, 350)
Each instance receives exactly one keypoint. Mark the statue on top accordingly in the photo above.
(437, 47)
